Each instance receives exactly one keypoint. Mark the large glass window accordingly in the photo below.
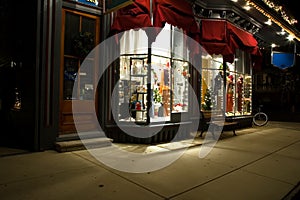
(133, 88)
(153, 91)
(228, 92)
(212, 84)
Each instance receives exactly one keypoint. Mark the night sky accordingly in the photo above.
(293, 8)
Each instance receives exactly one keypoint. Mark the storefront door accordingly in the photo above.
(80, 34)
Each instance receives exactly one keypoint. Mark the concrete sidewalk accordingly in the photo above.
(258, 163)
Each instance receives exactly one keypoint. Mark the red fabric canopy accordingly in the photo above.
(216, 36)
(245, 38)
(221, 37)
(215, 40)
(178, 13)
(175, 12)
(213, 31)
(135, 15)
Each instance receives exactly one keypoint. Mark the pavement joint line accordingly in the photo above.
(231, 171)
(41, 176)
(111, 171)
(15, 154)
(290, 128)
(276, 179)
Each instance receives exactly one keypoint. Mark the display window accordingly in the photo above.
(152, 91)
(227, 90)
(212, 84)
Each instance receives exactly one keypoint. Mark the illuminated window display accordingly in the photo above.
(212, 84)
(235, 95)
(152, 91)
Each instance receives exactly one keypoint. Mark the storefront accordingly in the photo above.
(155, 87)
(144, 87)
(154, 70)
(228, 90)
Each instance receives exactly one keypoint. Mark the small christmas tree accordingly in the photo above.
(157, 96)
(207, 104)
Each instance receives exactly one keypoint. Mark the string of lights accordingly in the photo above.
(279, 9)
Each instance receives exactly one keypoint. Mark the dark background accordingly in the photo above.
(291, 7)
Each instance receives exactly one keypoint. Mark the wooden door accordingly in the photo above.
(80, 34)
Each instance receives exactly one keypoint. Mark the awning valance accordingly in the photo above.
(217, 36)
(245, 38)
(177, 13)
(213, 31)
(222, 37)
(135, 15)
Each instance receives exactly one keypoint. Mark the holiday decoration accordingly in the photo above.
(207, 104)
(157, 96)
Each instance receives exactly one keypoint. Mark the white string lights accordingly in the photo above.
(278, 9)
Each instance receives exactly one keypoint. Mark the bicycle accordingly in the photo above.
(260, 118)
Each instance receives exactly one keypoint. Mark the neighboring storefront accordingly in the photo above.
(227, 90)
(238, 94)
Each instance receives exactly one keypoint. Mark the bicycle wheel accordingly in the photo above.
(260, 119)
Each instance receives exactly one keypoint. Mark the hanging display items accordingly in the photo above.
(237, 97)
(168, 88)
(152, 91)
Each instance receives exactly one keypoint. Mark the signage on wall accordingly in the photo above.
(89, 2)
(283, 60)
(112, 5)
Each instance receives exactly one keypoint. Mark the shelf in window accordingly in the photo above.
(143, 110)
(138, 75)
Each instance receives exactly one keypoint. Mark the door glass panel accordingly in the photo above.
(80, 39)
(70, 73)
(86, 78)
(71, 31)
(88, 25)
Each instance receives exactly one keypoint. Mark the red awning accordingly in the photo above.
(213, 31)
(215, 40)
(216, 36)
(245, 38)
(177, 13)
(135, 15)
(221, 37)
